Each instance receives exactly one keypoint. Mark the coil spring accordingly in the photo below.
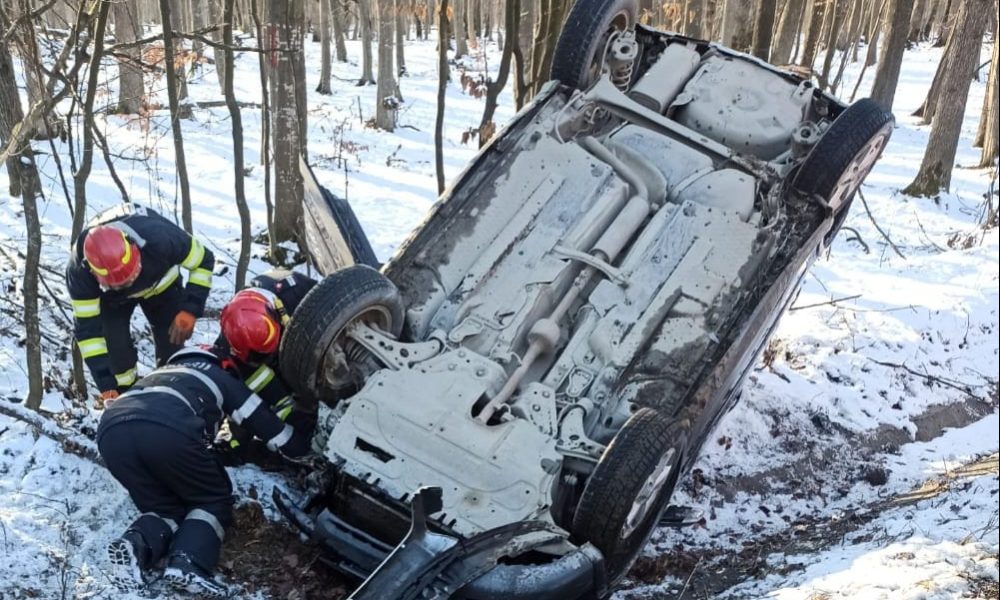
(621, 73)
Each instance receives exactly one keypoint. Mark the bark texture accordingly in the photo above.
(130, 85)
(939, 157)
(891, 59)
(386, 101)
(288, 115)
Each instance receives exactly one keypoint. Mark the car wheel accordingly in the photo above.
(630, 487)
(579, 54)
(315, 338)
(839, 162)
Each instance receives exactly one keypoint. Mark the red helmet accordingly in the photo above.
(113, 259)
(251, 324)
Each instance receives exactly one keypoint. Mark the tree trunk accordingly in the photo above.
(218, 54)
(337, 16)
(386, 102)
(11, 113)
(836, 20)
(855, 40)
(891, 58)
(130, 87)
(989, 121)
(551, 16)
(31, 189)
(871, 56)
(693, 16)
(459, 29)
(493, 88)
(763, 28)
(175, 10)
(443, 76)
(737, 24)
(365, 22)
(287, 22)
(263, 60)
(175, 120)
(401, 29)
(941, 22)
(939, 157)
(324, 37)
(788, 28)
(915, 33)
(811, 44)
(87, 155)
(926, 110)
(237, 125)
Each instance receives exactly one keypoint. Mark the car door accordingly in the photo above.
(333, 236)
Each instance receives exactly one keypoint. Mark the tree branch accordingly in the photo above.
(885, 236)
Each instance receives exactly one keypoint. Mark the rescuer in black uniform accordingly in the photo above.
(155, 441)
(132, 256)
(252, 324)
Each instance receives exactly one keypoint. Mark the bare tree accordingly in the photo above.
(788, 28)
(402, 31)
(459, 29)
(386, 101)
(337, 18)
(836, 11)
(87, 156)
(365, 22)
(443, 76)
(175, 116)
(324, 37)
(939, 157)
(989, 120)
(763, 28)
(813, 33)
(263, 59)
(927, 108)
(493, 88)
(288, 115)
(237, 125)
(891, 59)
(11, 113)
(737, 23)
(215, 11)
(130, 85)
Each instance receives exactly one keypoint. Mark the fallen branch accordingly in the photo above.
(885, 236)
(70, 441)
(957, 385)
(832, 302)
(857, 236)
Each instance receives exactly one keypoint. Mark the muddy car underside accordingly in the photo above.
(580, 308)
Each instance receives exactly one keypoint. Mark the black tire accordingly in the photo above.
(356, 292)
(647, 445)
(843, 157)
(585, 34)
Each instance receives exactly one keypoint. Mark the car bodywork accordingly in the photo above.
(628, 245)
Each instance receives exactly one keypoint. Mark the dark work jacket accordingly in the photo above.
(165, 249)
(191, 394)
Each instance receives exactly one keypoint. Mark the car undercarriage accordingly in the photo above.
(507, 405)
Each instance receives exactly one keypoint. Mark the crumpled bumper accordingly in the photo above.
(428, 565)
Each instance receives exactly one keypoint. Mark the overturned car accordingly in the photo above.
(507, 405)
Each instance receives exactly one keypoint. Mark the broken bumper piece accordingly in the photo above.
(426, 565)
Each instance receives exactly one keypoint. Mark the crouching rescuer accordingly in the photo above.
(252, 324)
(132, 256)
(155, 441)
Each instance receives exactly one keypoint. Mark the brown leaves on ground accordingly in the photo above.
(260, 554)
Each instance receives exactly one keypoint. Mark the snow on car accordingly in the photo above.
(506, 406)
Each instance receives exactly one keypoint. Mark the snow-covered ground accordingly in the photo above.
(857, 403)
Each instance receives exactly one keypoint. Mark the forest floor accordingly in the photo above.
(860, 463)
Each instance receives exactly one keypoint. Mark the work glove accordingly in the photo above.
(106, 398)
(182, 327)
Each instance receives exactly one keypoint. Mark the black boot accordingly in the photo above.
(186, 576)
(128, 557)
